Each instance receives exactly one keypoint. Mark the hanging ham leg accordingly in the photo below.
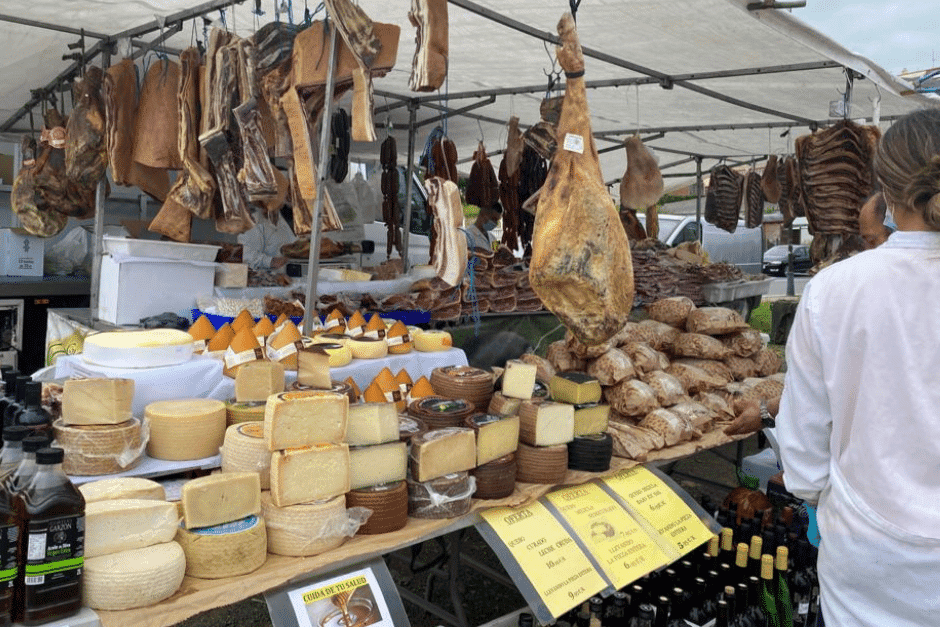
(581, 266)
(429, 67)
(257, 172)
(356, 29)
(642, 185)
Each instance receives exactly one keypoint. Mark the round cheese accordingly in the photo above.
(248, 411)
(305, 529)
(340, 354)
(99, 449)
(227, 550)
(368, 348)
(138, 349)
(185, 429)
(122, 488)
(134, 578)
(433, 341)
(244, 450)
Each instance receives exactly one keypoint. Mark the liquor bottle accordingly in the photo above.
(722, 616)
(33, 416)
(9, 567)
(741, 566)
(51, 506)
(753, 557)
(644, 616)
(17, 480)
(663, 611)
(12, 452)
(727, 546)
(768, 601)
(801, 586)
(784, 600)
(12, 409)
(617, 612)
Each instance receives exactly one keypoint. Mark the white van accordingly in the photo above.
(743, 248)
(419, 242)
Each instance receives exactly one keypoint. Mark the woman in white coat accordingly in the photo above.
(859, 420)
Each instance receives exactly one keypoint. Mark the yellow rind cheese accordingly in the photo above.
(185, 429)
(227, 550)
(433, 341)
(311, 473)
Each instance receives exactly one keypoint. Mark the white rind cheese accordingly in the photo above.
(138, 349)
(379, 463)
(97, 401)
(134, 578)
(244, 450)
(311, 473)
(372, 423)
(228, 550)
(123, 524)
(305, 529)
(546, 424)
(519, 379)
(122, 488)
(222, 498)
(442, 452)
(185, 429)
(305, 418)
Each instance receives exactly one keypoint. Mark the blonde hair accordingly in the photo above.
(907, 163)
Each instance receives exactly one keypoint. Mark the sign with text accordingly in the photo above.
(350, 599)
(560, 573)
(657, 503)
(622, 548)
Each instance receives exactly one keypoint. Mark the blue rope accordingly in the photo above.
(471, 265)
(436, 135)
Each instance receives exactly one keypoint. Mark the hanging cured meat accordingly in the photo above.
(449, 256)
(482, 186)
(835, 170)
(642, 184)
(581, 266)
(727, 186)
(509, 178)
(86, 151)
(786, 180)
(357, 31)
(57, 192)
(390, 207)
(256, 173)
(35, 215)
(753, 200)
(769, 182)
(275, 44)
(541, 136)
(444, 160)
(429, 67)
(156, 130)
(532, 174)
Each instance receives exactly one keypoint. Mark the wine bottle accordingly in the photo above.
(677, 602)
(782, 588)
(801, 587)
(644, 616)
(727, 546)
(754, 610)
(729, 598)
(722, 616)
(712, 590)
(753, 557)
(617, 611)
(696, 613)
(768, 601)
(741, 569)
(662, 611)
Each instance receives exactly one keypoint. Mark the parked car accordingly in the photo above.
(776, 259)
(742, 248)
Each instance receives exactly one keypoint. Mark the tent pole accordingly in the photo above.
(409, 177)
(698, 196)
(313, 261)
(97, 250)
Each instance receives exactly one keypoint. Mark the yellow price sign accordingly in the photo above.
(557, 568)
(661, 507)
(624, 551)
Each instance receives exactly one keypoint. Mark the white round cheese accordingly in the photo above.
(138, 349)
(228, 550)
(244, 450)
(134, 578)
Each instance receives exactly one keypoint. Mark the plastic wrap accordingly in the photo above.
(445, 497)
(310, 528)
(667, 388)
(632, 398)
(100, 449)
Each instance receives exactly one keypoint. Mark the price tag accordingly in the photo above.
(614, 538)
(574, 143)
(661, 507)
(557, 568)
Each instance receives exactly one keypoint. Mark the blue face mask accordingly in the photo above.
(489, 225)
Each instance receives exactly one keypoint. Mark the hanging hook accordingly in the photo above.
(637, 109)
(480, 126)
(573, 5)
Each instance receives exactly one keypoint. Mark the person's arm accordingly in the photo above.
(804, 422)
(749, 419)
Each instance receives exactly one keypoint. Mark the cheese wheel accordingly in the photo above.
(121, 488)
(330, 338)
(134, 578)
(202, 331)
(222, 338)
(243, 320)
(249, 411)
(227, 550)
(340, 354)
(244, 450)
(138, 349)
(433, 341)
(368, 348)
(305, 529)
(388, 503)
(399, 339)
(99, 449)
(124, 524)
(444, 497)
(185, 429)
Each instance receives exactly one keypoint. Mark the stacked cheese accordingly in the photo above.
(97, 431)
(378, 465)
(131, 559)
(222, 533)
(305, 434)
(591, 447)
(674, 376)
(439, 485)
(185, 429)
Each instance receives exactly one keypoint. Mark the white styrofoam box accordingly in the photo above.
(176, 251)
(134, 288)
(20, 253)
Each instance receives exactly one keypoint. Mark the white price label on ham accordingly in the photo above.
(574, 143)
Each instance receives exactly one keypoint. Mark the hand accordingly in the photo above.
(747, 421)
(278, 262)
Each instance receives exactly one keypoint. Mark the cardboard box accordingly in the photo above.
(20, 253)
(231, 275)
(135, 288)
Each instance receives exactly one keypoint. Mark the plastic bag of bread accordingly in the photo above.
(630, 442)
(672, 311)
(768, 388)
(768, 362)
(671, 426)
(668, 389)
(714, 321)
(585, 351)
(700, 346)
(718, 404)
(711, 366)
(742, 367)
(653, 440)
(661, 335)
(694, 379)
(562, 359)
(632, 332)
(544, 370)
(612, 367)
(644, 357)
(631, 398)
(696, 414)
(743, 343)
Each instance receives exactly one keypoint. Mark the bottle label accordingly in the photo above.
(55, 550)
(8, 567)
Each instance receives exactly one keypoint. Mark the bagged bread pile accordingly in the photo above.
(674, 376)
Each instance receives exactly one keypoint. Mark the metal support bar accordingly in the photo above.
(97, 252)
(409, 184)
(661, 168)
(53, 27)
(461, 111)
(488, 155)
(166, 34)
(634, 67)
(313, 261)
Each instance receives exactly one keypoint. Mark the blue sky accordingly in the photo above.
(896, 35)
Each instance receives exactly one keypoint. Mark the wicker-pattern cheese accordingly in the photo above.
(100, 449)
(228, 550)
(134, 578)
(305, 529)
(185, 429)
(244, 450)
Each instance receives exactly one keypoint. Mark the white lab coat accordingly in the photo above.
(859, 431)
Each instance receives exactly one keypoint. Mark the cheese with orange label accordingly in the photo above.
(368, 348)
(335, 322)
(222, 338)
(243, 321)
(310, 473)
(243, 349)
(356, 325)
(421, 388)
(294, 419)
(399, 339)
(263, 329)
(244, 450)
(283, 346)
(202, 331)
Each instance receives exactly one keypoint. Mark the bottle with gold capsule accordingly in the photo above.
(727, 546)
(753, 557)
